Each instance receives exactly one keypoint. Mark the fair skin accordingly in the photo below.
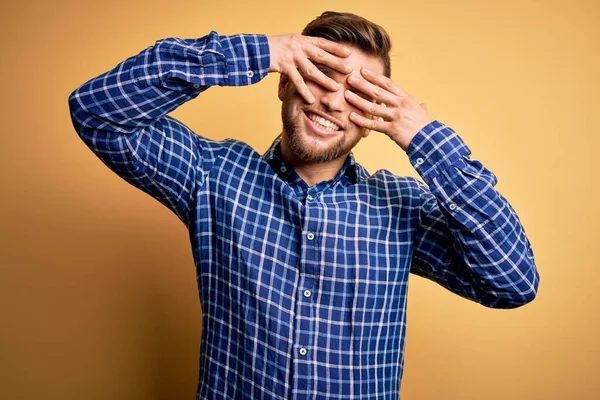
(342, 85)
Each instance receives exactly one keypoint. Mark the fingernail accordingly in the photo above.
(366, 71)
(353, 78)
(347, 67)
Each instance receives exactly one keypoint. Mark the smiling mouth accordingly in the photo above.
(321, 126)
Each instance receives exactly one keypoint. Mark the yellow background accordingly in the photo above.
(98, 296)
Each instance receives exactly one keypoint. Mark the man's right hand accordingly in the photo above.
(294, 55)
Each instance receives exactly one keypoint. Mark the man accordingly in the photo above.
(302, 256)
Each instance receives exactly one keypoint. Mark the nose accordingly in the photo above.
(334, 100)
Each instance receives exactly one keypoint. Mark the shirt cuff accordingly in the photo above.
(434, 148)
(248, 58)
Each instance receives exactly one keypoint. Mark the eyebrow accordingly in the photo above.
(323, 68)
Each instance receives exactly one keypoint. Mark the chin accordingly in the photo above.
(313, 149)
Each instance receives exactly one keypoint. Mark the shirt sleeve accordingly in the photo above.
(121, 115)
(469, 239)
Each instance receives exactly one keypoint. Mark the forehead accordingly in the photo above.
(359, 59)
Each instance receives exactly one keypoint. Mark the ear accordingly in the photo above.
(283, 81)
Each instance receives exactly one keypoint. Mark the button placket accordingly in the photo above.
(309, 268)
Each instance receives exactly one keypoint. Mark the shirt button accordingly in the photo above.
(452, 206)
(196, 86)
(310, 236)
(283, 168)
(250, 74)
(303, 351)
(420, 161)
(309, 197)
(307, 293)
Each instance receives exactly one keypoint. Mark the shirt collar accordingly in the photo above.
(273, 157)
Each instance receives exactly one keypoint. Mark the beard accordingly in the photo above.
(293, 126)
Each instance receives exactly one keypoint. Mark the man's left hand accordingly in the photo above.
(394, 112)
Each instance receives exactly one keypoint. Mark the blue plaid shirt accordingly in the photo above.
(303, 289)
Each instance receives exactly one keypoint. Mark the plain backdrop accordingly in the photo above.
(98, 296)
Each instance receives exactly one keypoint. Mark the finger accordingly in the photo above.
(372, 91)
(300, 85)
(322, 57)
(424, 106)
(310, 72)
(383, 81)
(372, 124)
(329, 46)
(369, 107)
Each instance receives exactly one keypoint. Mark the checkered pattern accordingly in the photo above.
(303, 289)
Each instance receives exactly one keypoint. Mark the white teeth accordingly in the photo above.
(327, 125)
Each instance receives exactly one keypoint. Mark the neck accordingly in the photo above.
(312, 173)
(316, 173)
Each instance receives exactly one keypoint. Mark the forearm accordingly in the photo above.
(121, 114)
(491, 258)
(146, 87)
